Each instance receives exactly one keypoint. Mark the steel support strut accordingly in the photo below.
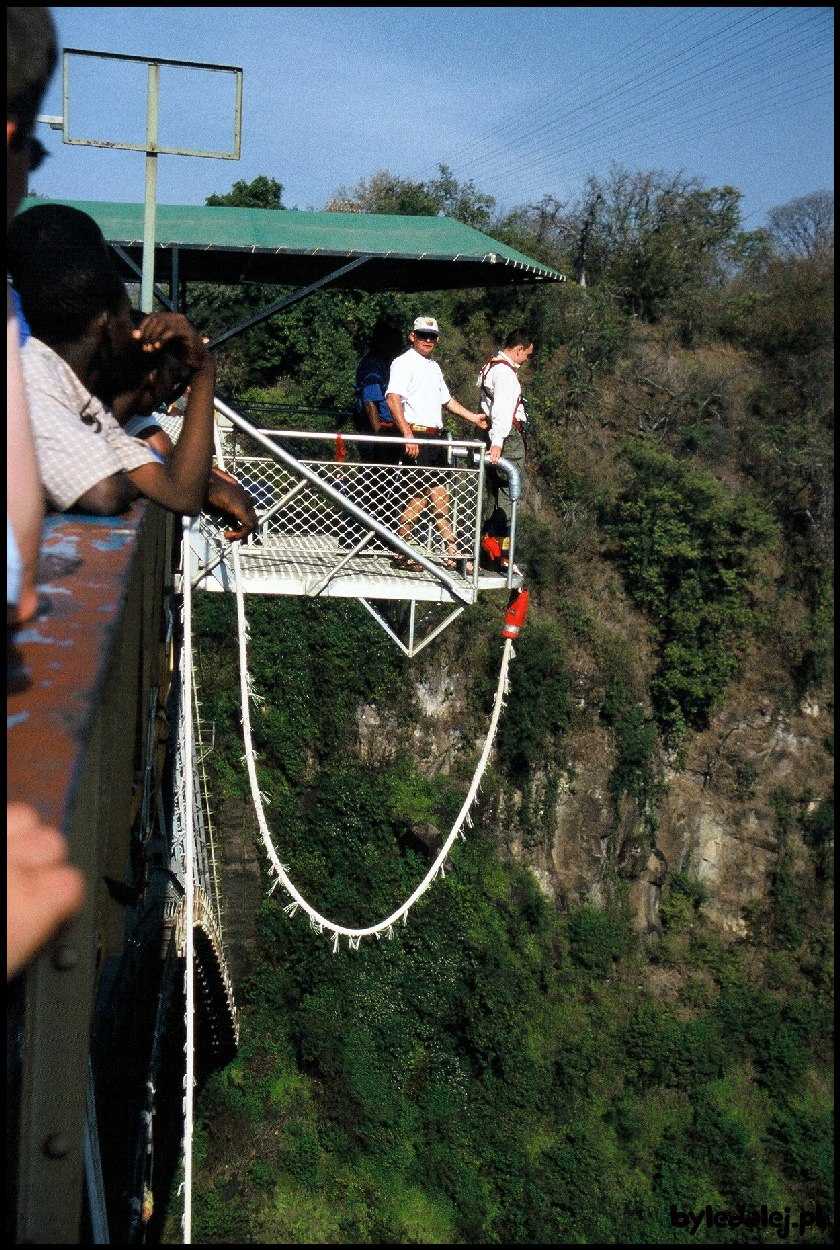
(284, 303)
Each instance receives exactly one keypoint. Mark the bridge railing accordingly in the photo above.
(84, 681)
(89, 703)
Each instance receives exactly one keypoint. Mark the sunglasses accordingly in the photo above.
(426, 338)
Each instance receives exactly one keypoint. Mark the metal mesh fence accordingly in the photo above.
(432, 509)
(436, 511)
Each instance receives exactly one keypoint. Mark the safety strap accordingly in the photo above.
(482, 384)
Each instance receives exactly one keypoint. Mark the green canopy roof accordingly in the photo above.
(293, 248)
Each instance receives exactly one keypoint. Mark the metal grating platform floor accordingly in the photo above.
(320, 566)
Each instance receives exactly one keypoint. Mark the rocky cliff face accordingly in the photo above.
(714, 821)
(242, 885)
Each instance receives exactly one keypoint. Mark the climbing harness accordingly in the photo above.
(518, 422)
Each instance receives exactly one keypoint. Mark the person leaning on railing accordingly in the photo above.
(42, 889)
(84, 351)
(165, 381)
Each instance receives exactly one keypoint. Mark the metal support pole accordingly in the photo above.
(150, 205)
(515, 494)
(135, 269)
(174, 281)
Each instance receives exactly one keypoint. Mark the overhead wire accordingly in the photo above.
(758, 52)
(688, 121)
(495, 144)
(618, 90)
(688, 126)
(737, 75)
(513, 127)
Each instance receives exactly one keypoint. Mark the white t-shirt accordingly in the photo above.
(420, 385)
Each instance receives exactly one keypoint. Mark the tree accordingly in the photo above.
(649, 237)
(804, 226)
(262, 192)
(213, 308)
(688, 548)
(545, 231)
(444, 196)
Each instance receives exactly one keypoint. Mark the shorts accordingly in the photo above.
(430, 457)
(382, 453)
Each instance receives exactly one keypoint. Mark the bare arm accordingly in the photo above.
(225, 493)
(475, 418)
(106, 498)
(372, 414)
(395, 407)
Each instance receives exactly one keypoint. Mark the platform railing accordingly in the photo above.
(329, 491)
(390, 493)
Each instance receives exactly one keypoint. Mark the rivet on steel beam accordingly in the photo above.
(56, 1146)
(65, 957)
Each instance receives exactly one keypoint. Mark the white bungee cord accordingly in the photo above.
(280, 871)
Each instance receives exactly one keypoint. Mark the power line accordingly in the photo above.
(512, 127)
(600, 122)
(496, 146)
(783, 76)
(700, 124)
(749, 63)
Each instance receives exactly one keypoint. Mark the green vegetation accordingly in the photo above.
(688, 550)
(495, 1075)
(510, 1068)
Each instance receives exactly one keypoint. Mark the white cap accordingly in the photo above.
(428, 324)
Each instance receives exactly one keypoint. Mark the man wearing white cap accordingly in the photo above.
(416, 394)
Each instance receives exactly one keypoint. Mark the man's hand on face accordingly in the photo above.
(173, 332)
(225, 494)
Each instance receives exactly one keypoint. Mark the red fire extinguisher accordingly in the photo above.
(517, 610)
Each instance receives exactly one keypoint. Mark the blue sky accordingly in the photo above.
(526, 102)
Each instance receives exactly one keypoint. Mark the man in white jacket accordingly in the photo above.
(501, 400)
